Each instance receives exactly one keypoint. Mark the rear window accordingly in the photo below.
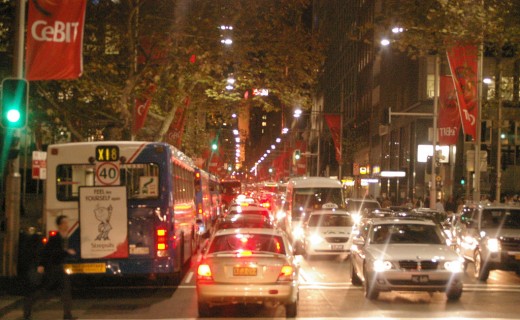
(241, 222)
(249, 242)
(362, 205)
(501, 218)
(330, 220)
(238, 210)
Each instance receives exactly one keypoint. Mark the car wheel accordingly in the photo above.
(291, 310)
(354, 277)
(204, 309)
(481, 272)
(370, 292)
(454, 294)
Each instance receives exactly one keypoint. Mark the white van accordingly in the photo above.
(306, 194)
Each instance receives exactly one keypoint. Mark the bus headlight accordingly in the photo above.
(493, 245)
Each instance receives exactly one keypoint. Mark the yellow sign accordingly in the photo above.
(84, 268)
(107, 153)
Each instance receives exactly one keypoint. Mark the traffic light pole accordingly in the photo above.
(13, 181)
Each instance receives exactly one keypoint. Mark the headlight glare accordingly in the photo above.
(316, 239)
(493, 245)
(298, 232)
(380, 265)
(454, 266)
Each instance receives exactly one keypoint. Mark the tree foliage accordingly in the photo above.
(174, 46)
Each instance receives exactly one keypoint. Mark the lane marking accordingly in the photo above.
(188, 277)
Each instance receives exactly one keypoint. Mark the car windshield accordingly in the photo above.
(330, 220)
(249, 242)
(407, 233)
(306, 199)
(501, 218)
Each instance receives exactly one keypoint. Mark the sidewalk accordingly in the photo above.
(10, 297)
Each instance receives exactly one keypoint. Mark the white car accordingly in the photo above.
(249, 265)
(399, 254)
(328, 232)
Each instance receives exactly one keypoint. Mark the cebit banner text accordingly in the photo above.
(55, 39)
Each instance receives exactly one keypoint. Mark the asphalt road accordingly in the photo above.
(325, 292)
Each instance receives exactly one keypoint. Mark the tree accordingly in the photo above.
(174, 45)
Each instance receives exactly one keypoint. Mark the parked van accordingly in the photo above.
(304, 195)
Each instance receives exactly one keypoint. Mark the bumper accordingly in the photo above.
(327, 249)
(224, 294)
(416, 281)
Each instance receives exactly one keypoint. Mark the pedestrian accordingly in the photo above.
(451, 205)
(51, 266)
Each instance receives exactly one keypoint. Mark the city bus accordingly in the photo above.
(207, 198)
(130, 206)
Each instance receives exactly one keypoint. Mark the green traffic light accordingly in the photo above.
(13, 115)
(214, 146)
(14, 106)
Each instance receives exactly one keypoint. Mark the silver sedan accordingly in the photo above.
(405, 255)
(251, 265)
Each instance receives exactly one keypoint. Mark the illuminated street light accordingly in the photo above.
(285, 130)
(229, 87)
(385, 42)
(237, 139)
(297, 113)
(397, 29)
(226, 41)
(278, 140)
(235, 132)
(231, 81)
(273, 146)
(487, 80)
(224, 27)
(234, 115)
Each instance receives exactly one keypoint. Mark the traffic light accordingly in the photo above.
(297, 154)
(14, 103)
(214, 145)
(462, 181)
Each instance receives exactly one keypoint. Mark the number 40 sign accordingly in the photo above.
(107, 174)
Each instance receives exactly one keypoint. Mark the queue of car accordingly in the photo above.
(250, 255)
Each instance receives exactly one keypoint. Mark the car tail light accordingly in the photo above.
(286, 274)
(204, 272)
(161, 242)
(266, 205)
(52, 233)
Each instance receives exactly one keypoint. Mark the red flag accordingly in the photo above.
(448, 122)
(55, 39)
(176, 130)
(141, 108)
(463, 66)
(334, 123)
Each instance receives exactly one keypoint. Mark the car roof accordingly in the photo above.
(314, 182)
(238, 216)
(328, 212)
(271, 232)
(402, 220)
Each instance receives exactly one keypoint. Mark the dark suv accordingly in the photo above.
(489, 236)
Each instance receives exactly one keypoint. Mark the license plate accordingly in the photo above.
(244, 271)
(85, 268)
(420, 279)
(336, 246)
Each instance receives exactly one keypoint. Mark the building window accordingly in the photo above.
(430, 77)
(264, 124)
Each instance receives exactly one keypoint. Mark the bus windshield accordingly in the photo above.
(308, 199)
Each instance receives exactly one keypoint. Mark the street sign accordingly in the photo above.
(107, 174)
(39, 165)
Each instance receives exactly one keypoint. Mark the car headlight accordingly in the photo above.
(454, 266)
(298, 232)
(493, 245)
(380, 265)
(316, 239)
(356, 217)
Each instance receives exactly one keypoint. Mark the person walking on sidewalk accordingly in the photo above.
(51, 266)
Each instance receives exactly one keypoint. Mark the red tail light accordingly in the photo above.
(204, 272)
(161, 242)
(52, 233)
(266, 205)
(286, 274)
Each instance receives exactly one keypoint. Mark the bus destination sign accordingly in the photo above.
(107, 153)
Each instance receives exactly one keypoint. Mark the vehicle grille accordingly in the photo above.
(418, 265)
(336, 239)
(411, 283)
(510, 244)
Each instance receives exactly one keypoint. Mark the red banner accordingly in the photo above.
(334, 123)
(176, 130)
(141, 108)
(448, 122)
(463, 66)
(55, 39)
